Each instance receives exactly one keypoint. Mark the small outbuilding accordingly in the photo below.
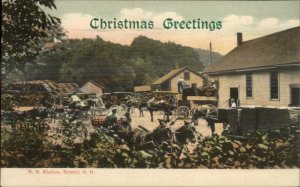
(92, 87)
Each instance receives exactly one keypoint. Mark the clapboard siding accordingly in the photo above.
(260, 89)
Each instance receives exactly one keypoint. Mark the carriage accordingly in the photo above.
(163, 101)
(95, 103)
(192, 98)
(121, 101)
(80, 106)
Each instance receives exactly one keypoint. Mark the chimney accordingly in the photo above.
(176, 66)
(239, 38)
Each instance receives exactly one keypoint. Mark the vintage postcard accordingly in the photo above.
(150, 93)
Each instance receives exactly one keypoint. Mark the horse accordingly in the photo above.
(186, 133)
(122, 130)
(154, 106)
(164, 137)
(12, 117)
(160, 137)
(207, 112)
(38, 112)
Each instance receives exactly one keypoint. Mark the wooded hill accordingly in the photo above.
(117, 67)
(204, 56)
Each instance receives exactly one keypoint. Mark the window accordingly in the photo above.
(186, 75)
(295, 96)
(274, 91)
(249, 85)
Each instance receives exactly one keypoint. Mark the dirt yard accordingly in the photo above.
(146, 122)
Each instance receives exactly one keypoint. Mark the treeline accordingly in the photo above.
(208, 58)
(117, 67)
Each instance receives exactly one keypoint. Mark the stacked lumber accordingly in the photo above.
(248, 119)
(229, 116)
(222, 115)
(254, 118)
(272, 118)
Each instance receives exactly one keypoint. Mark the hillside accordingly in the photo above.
(204, 56)
(117, 67)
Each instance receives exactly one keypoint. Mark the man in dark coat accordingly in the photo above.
(112, 119)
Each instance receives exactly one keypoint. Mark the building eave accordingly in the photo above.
(262, 68)
(174, 75)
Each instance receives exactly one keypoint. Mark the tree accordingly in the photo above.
(24, 24)
(117, 67)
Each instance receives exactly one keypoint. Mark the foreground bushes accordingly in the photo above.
(254, 150)
(32, 146)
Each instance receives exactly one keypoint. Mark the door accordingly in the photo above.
(295, 96)
(234, 94)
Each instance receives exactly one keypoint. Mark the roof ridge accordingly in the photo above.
(173, 73)
(96, 83)
(274, 33)
(269, 50)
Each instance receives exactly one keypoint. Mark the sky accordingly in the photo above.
(253, 18)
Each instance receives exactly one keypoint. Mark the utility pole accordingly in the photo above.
(210, 49)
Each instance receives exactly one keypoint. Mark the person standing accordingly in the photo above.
(128, 120)
(180, 85)
(112, 119)
(53, 112)
(233, 104)
(150, 102)
(127, 115)
(150, 107)
(140, 107)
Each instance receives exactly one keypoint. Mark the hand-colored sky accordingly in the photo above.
(252, 18)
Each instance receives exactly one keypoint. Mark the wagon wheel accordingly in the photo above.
(182, 111)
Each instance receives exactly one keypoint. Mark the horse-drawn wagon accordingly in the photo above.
(121, 101)
(165, 101)
(192, 98)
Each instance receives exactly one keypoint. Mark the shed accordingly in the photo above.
(92, 87)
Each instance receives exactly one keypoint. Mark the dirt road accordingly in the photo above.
(146, 122)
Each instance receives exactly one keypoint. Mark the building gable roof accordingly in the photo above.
(172, 74)
(95, 83)
(279, 48)
(51, 86)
